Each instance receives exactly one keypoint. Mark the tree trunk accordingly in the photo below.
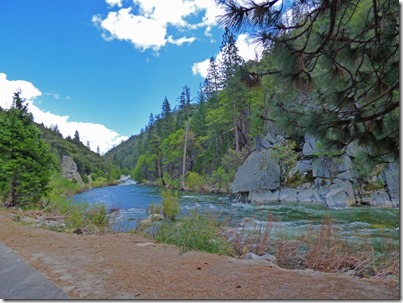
(12, 198)
(236, 135)
(160, 171)
(183, 187)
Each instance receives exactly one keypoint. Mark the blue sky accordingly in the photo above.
(102, 66)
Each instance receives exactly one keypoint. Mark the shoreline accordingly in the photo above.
(128, 266)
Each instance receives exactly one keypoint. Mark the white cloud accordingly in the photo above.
(114, 2)
(247, 49)
(145, 24)
(181, 41)
(96, 134)
(142, 32)
(200, 68)
(9, 87)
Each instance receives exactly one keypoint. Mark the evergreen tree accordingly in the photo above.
(166, 108)
(231, 60)
(185, 107)
(213, 81)
(336, 64)
(151, 121)
(76, 136)
(166, 123)
(26, 161)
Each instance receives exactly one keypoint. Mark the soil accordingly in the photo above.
(128, 266)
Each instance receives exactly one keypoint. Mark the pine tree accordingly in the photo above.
(232, 96)
(76, 136)
(213, 81)
(185, 107)
(231, 60)
(151, 121)
(336, 65)
(26, 161)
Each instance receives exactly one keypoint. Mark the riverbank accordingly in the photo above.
(128, 266)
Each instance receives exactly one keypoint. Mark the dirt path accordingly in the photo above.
(127, 266)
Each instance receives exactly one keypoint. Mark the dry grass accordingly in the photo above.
(324, 250)
(329, 252)
(254, 240)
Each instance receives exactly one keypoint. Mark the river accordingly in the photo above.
(130, 202)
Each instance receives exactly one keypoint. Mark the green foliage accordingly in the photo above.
(154, 209)
(365, 167)
(26, 162)
(171, 182)
(222, 179)
(196, 232)
(170, 204)
(88, 162)
(61, 188)
(195, 182)
(333, 74)
(334, 66)
(285, 153)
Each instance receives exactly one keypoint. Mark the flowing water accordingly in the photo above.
(129, 203)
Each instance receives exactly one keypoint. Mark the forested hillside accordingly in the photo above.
(330, 70)
(88, 162)
(31, 160)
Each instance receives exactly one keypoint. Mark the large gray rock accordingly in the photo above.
(340, 195)
(330, 167)
(260, 171)
(70, 170)
(310, 146)
(380, 198)
(309, 195)
(260, 197)
(329, 180)
(391, 177)
(288, 195)
(302, 167)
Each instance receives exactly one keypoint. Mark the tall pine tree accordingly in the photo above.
(25, 161)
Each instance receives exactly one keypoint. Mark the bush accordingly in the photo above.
(170, 204)
(197, 232)
(222, 179)
(171, 183)
(154, 209)
(194, 182)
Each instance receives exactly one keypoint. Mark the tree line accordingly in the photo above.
(30, 158)
(330, 69)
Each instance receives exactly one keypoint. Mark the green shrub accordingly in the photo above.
(154, 209)
(171, 183)
(194, 182)
(97, 215)
(170, 204)
(196, 232)
(222, 179)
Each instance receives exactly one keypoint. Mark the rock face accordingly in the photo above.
(70, 170)
(320, 179)
(259, 172)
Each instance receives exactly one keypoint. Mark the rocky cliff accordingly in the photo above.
(70, 169)
(314, 177)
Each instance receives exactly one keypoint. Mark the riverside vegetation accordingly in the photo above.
(324, 249)
(330, 69)
(31, 168)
